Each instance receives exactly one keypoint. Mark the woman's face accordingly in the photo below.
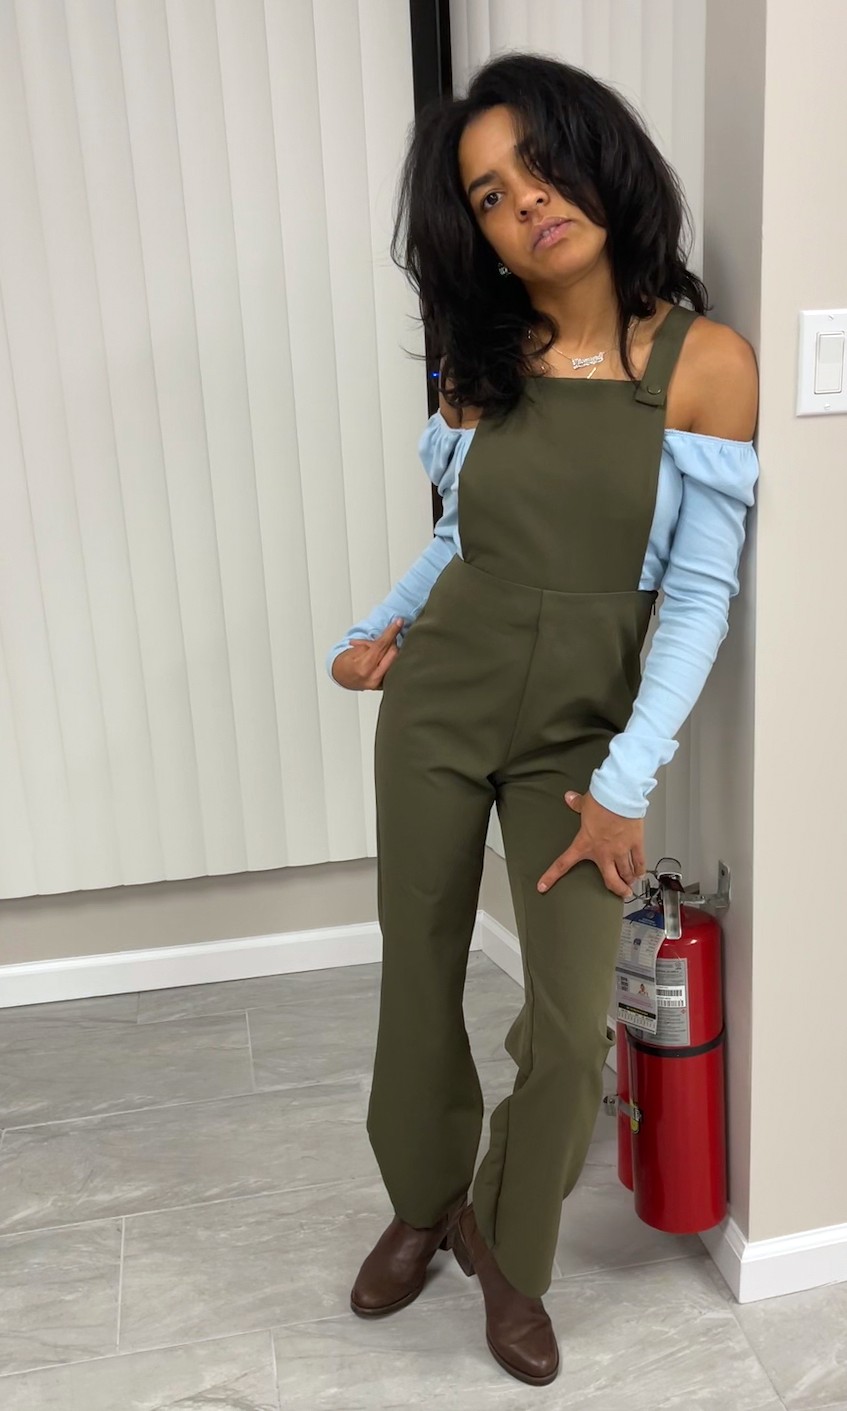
(509, 203)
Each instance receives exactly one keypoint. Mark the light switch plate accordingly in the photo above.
(813, 322)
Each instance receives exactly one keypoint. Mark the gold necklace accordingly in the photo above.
(577, 362)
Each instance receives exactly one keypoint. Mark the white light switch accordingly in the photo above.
(821, 388)
(829, 363)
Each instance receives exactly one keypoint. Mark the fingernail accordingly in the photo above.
(542, 886)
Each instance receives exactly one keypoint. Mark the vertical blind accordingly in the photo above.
(209, 407)
(208, 426)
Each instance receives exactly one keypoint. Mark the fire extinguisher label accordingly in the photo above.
(642, 934)
(674, 1026)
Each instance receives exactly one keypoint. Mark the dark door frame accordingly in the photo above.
(432, 77)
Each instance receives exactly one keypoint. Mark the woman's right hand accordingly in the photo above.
(362, 666)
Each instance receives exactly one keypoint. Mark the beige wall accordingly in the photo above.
(798, 1140)
(722, 764)
(772, 768)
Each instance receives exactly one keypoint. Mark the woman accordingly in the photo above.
(593, 441)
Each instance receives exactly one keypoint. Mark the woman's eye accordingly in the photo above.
(482, 204)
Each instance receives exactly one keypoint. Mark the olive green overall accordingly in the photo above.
(507, 689)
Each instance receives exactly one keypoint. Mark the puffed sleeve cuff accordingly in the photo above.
(437, 448)
(701, 576)
(405, 600)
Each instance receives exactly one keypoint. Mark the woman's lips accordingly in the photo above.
(553, 234)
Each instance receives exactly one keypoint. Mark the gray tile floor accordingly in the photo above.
(187, 1190)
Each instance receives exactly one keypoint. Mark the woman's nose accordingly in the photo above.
(530, 201)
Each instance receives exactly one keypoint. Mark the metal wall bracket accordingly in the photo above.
(716, 901)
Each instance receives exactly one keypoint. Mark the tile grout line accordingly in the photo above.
(738, 1323)
(452, 1299)
(230, 1199)
(192, 1205)
(106, 1027)
(124, 1112)
(275, 1371)
(144, 1351)
(189, 1018)
(250, 1049)
(269, 1007)
(188, 1102)
(691, 1256)
(120, 1285)
(431, 1305)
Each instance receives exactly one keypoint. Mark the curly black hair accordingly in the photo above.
(592, 145)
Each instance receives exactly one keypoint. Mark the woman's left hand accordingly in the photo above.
(614, 843)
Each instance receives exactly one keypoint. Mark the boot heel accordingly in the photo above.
(462, 1254)
(452, 1222)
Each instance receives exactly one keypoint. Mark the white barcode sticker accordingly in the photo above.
(674, 1026)
(671, 996)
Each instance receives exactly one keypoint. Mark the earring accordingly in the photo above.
(502, 268)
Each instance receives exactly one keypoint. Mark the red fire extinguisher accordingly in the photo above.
(670, 1101)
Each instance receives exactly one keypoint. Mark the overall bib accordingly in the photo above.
(508, 687)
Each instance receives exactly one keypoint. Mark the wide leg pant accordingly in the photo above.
(508, 695)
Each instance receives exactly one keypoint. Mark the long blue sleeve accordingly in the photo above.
(700, 578)
(438, 446)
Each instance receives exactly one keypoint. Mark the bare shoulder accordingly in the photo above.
(718, 387)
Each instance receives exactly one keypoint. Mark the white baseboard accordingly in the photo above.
(164, 967)
(753, 1270)
(500, 945)
(757, 1269)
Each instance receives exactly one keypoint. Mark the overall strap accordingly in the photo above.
(653, 387)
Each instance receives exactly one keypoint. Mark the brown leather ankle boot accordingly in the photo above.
(518, 1330)
(394, 1272)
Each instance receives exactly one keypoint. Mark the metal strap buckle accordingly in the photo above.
(614, 1103)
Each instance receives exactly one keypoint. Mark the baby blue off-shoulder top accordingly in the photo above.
(705, 488)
